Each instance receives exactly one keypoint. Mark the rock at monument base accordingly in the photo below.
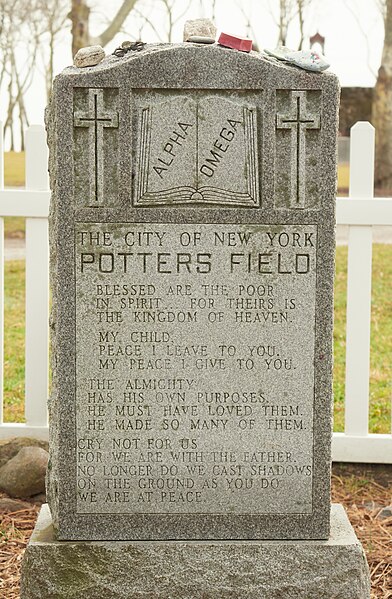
(10, 447)
(9, 505)
(24, 474)
(335, 568)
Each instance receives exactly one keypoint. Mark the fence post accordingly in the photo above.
(359, 280)
(37, 285)
(1, 280)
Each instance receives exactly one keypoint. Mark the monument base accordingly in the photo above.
(333, 569)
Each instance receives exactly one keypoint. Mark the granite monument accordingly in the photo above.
(192, 250)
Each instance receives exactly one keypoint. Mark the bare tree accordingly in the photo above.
(171, 20)
(80, 19)
(53, 18)
(166, 9)
(302, 5)
(213, 10)
(288, 13)
(19, 42)
(382, 107)
(352, 7)
(382, 94)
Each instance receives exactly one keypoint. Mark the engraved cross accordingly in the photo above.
(298, 120)
(96, 119)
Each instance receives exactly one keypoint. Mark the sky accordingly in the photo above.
(354, 38)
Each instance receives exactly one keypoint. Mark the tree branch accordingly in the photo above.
(364, 33)
(249, 26)
(113, 28)
(148, 21)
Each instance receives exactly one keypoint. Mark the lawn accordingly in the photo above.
(381, 339)
(343, 179)
(14, 340)
(14, 176)
(14, 169)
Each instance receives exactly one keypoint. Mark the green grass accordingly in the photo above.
(14, 227)
(343, 178)
(14, 169)
(14, 342)
(14, 176)
(339, 336)
(381, 339)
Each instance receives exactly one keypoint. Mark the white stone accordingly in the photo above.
(280, 52)
(199, 28)
(89, 56)
(308, 60)
(200, 39)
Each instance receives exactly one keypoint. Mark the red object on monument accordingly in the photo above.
(243, 44)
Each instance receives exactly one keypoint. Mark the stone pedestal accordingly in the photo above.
(332, 569)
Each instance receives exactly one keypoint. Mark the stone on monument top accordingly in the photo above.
(243, 44)
(199, 28)
(89, 56)
(308, 60)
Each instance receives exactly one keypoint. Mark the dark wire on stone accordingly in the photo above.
(128, 47)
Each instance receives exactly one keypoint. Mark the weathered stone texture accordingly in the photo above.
(198, 141)
(333, 569)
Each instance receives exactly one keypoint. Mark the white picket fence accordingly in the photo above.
(360, 211)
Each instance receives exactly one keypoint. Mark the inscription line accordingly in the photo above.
(96, 145)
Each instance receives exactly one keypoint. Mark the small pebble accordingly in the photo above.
(89, 56)
(280, 52)
(386, 512)
(243, 44)
(202, 28)
(200, 39)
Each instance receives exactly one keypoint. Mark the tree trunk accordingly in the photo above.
(9, 120)
(50, 68)
(116, 23)
(79, 15)
(300, 7)
(382, 111)
(282, 24)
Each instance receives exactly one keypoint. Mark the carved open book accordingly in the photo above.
(195, 151)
